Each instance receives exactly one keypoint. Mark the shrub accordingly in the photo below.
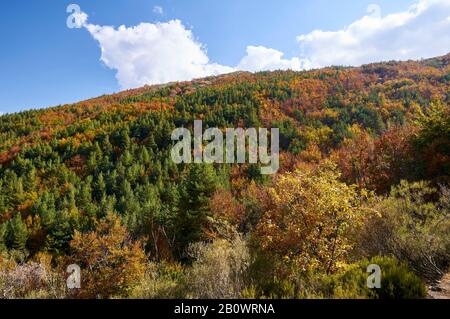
(277, 288)
(219, 269)
(30, 280)
(161, 281)
(397, 281)
(411, 227)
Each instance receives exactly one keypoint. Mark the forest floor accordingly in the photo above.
(440, 290)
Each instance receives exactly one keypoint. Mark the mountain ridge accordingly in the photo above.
(442, 62)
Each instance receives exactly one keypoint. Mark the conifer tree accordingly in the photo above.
(17, 233)
(3, 237)
(198, 188)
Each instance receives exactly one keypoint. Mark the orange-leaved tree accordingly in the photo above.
(111, 263)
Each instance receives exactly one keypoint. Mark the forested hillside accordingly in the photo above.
(364, 179)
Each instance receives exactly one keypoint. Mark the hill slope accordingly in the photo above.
(66, 168)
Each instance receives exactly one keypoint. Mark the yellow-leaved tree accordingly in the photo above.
(307, 219)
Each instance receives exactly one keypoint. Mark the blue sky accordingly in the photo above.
(44, 63)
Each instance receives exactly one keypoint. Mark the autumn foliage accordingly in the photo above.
(365, 154)
(111, 261)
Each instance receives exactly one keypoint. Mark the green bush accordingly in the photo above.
(411, 224)
(161, 281)
(397, 281)
(278, 289)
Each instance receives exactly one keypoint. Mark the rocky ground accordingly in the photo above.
(440, 290)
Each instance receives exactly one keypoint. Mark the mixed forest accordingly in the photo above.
(364, 179)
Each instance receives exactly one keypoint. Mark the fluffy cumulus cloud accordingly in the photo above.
(421, 31)
(261, 58)
(153, 53)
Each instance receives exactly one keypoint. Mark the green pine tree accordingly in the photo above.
(17, 233)
(199, 186)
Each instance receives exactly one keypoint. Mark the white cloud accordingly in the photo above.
(158, 10)
(152, 53)
(261, 58)
(421, 31)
